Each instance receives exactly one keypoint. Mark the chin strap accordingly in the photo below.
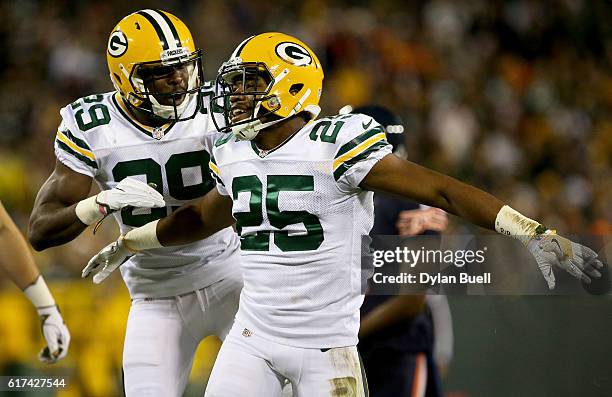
(167, 111)
(248, 131)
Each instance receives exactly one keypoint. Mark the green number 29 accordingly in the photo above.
(174, 175)
(260, 241)
(96, 114)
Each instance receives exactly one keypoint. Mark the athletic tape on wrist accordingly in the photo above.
(89, 211)
(142, 238)
(510, 222)
(38, 293)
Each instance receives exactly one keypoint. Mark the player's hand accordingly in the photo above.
(550, 249)
(130, 192)
(414, 222)
(110, 257)
(56, 334)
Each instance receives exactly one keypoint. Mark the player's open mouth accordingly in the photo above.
(179, 99)
(171, 100)
(238, 114)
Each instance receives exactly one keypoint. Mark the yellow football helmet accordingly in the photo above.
(151, 44)
(294, 79)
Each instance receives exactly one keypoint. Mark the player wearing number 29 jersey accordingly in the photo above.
(98, 137)
(147, 146)
(300, 214)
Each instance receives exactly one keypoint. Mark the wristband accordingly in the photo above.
(38, 293)
(510, 222)
(142, 238)
(89, 211)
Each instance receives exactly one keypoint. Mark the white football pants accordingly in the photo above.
(163, 334)
(249, 365)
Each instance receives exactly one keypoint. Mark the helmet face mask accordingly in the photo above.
(155, 66)
(160, 99)
(293, 79)
(248, 83)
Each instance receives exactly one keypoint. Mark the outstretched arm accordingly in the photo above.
(402, 178)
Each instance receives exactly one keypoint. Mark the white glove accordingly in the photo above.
(551, 249)
(128, 192)
(112, 256)
(55, 333)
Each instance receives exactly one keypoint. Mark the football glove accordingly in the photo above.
(56, 334)
(550, 249)
(111, 257)
(130, 192)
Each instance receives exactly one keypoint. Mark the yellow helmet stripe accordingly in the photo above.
(162, 28)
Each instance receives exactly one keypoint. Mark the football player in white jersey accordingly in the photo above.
(300, 192)
(147, 145)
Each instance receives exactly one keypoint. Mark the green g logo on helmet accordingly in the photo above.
(117, 44)
(293, 53)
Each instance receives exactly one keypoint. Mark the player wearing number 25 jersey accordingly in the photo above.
(147, 146)
(301, 214)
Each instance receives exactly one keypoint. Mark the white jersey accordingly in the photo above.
(300, 215)
(99, 138)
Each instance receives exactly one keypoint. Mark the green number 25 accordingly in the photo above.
(260, 241)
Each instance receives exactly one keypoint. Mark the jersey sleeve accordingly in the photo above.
(214, 171)
(362, 144)
(71, 148)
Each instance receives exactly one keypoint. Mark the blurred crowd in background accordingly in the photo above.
(512, 96)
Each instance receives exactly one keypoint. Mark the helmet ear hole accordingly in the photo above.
(295, 88)
(118, 78)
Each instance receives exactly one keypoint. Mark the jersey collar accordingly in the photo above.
(153, 132)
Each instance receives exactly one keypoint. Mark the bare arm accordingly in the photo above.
(391, 312)
(17, 261)
(196, 221)
(15, 257)
(53, 220)
(403, 178)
